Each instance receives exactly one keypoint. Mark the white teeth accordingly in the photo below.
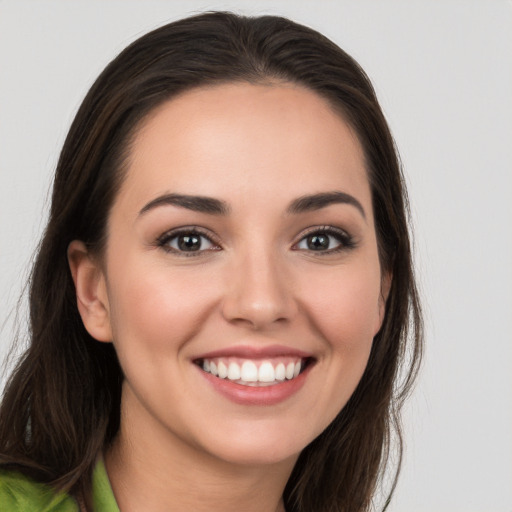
(266, 372)
(280, 372)
(234, 371)
(223, 370)
(249, 372)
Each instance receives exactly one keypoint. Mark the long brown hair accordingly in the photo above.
(61, 403)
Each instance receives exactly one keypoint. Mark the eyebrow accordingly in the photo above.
(212, 206)
(317, 201)
(196, 203)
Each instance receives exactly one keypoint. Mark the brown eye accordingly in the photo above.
(318, 242)
(327, 240)
(189, 242)
(186, 242)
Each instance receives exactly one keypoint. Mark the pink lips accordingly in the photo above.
(251, 352)
(256, 395)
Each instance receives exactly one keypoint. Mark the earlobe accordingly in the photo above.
(91, 291)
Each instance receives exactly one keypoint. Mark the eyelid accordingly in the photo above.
(164, 239)
(346, 240)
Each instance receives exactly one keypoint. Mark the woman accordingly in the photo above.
(221, 300)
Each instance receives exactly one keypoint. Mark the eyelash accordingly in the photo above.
(163, 241)
(346, 241)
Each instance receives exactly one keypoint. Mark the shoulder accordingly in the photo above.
(19, 493)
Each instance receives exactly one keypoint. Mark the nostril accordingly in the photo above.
(257, 315)
(258, 296)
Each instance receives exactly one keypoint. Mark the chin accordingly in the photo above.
(260, 443)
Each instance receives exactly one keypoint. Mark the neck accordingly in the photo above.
(152, 470)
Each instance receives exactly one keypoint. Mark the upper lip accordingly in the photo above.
(255, 352)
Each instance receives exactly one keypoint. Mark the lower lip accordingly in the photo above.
(255, 395)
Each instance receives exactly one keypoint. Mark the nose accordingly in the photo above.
(259, 293)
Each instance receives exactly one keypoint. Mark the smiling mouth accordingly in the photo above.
(254, 372)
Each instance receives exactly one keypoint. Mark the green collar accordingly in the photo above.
(18, 493)
(104, 500)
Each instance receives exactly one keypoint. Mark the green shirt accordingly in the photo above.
(19, 493)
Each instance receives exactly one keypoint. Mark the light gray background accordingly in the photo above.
(443, 73)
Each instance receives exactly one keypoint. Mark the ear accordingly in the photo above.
(385, 287)
(91, 291)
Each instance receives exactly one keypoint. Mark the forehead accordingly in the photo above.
(241, 138)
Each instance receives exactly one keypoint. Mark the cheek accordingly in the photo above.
(345, 308)
(156, 309)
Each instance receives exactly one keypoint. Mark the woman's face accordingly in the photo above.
(241, 250)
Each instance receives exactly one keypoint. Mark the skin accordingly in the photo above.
(182, 445)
